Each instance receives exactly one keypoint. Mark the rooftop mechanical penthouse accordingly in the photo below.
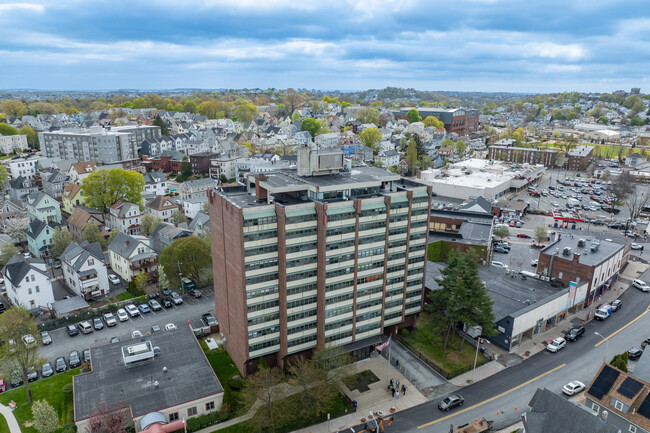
(327, 254)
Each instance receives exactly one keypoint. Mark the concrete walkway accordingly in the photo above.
(412, 367)
(14, 427)
(485, 370)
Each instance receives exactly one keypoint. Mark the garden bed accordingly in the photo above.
(360, 381)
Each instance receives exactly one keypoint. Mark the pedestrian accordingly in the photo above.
(397, 394)
(391, 381)
(397, 383)
(392, 390)
(404, 389)
(397, 363)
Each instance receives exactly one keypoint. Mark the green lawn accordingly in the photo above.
(125, 296)
(45, 389)
(4, 427)
(425, 339)
(224, 368)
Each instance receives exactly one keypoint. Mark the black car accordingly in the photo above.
(645, 342)
(72, 330)
(634, 353)
(32, 375)
(47, 370)
(16, 379)
(208, 319)
(451, 402)
(616, 305)
(575, 333)
(60, 364)
(166, 302)
(75, 359)
(86, 355)
(615, 225)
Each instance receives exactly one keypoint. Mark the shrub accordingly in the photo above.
(235, 383)
(404, 331)
(203, 421)
(67, 389)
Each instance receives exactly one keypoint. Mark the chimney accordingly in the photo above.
(576, 257)
(127, 242)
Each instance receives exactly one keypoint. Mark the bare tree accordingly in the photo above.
(622, 187)
(636, 202)
(264, 386)
(109, 419)
(293, 100)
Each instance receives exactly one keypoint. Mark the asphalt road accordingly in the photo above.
(503, 397)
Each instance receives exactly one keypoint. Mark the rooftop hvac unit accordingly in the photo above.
(595, 246)
(581, 243)
(137, 353)
(566, 251)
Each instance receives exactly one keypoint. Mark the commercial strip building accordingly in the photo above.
(316, 256)
(166, 374)
(522, 155)
(104, 145)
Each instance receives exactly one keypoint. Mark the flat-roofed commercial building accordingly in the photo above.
(319, 256)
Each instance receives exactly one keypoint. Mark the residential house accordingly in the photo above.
(161, 207)
(72, 197)
(388, 158)
(84, 269)
(200, 162)
(446, 152)
(634, 159)
(196, 188)
(364, 153)
(79, 171)
(125, 217)
(27, 282)
(302, 137)
(25, 167)
(54, 182)
(39, 238)
(21, 188)
(165, 234)
(80, 218)
(327, 140)
(43, 207)
(168, 161)
(224, 165)
(9, 143)
(194, 205)
(11, 209)
(131, 256)
(200, 225)
(155, 183)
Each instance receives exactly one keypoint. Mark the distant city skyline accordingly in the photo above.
(467, 45)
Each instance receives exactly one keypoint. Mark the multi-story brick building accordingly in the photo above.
(570, 259)
(459, 120)
(579, 158)
(321, 256)
(200, 162)
(522, 155)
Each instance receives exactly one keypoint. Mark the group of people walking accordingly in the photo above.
(394, 388)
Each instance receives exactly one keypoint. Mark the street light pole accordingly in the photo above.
(606, 346)
(478, 343)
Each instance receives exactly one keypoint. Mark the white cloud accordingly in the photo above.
(554, 51)
(554, 68)
(21, 6)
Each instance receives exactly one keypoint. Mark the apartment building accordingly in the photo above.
(579, 158)
(521, 155)
(318, 256)
(9, 143)
(104, 145)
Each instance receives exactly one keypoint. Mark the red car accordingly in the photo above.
(523, 235)
(3, 385)
(512, 224)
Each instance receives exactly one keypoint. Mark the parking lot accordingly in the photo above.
(189, 311)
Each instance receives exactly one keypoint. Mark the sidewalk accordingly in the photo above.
(11, 419)
(377, 399)
(482, 372)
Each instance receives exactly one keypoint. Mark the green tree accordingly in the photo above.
(6, 129)
(91, 234)
(413, 116)
(223, 179)
(4, 176)
(432, 121)
(19, 357)
(460, 147)
(104, 187)
(46, 420)
(179, 217)
(637, 121)
(501, 232)
(246, 112)
(191, 254)
(620, 361)
(8, 251)
(148, 224)
(61, 238)
(157, 121)
(189, 106)
(32, 137)
(186, 168)
(14, 108)
(310, 125)
(273, 412)
(141, 281)
(541, 234)
(370, 136)
(412, 157)
(368, 115)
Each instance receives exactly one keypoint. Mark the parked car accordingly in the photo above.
(29, 340)
(170, 327)
(616, 304)
(47, 370)
(144, 308)
(500, 249)
(132, 310)
(122, 315)
(113, 279)
(115, 340)
(556, 344)
(523, 235)
(641, 285)
(645, 342)
(85, 327)
(499, 265)
(451, 402)
(75, 359)
(603, 312)
(60, 364)
(533, 263)
(573, 388)
(155, 328)
(176, 298)
(575, 333)
(72, 330)
(46, 338)
(634, 353)
(98, 324)
(167, 292)
(86, 355)
(155, 305)
(16, 379)
(208, 319)
(195, 293)
(136, 334)
(110, 319)
(166, 302)
(635, 246)
(32, 374)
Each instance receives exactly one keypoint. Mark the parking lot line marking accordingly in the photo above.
(492, 398)
(622, 328)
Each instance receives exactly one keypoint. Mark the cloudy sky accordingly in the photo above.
(466, 45)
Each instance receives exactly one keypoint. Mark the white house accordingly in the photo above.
(27, 282)
(9, 143)
(196, 188)
(131, 256)
(125, 217)
(161, 207)
(25, 167)
(327, 140)
(223, 165)
(84, 269)
(79, 171)
(389, 158)
(155, 183)
(194, 205)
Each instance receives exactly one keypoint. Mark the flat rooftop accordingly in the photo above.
(587, 257)
(189, 376)
(581, 151)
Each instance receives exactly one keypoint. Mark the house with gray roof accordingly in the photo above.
(200, 225)
(125, 217)
(43, 207)
(84, 269)
(132, 255)
(54, 182)
(196, 188)
(155, 183)
(194, 205)
(165, 234)
(28, 283)
(21, 187)
(39, 237)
